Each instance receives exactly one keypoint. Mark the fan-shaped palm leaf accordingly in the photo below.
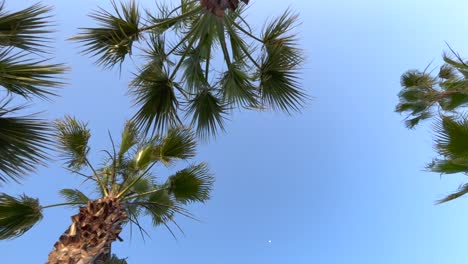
(154, 94)
(114, 39)
(237, 87)
(17, 215)
(452, 135)
(179, 143)
(74, 196)
(130, 137)
(27, 77)
(192, 184)
(449, 166)
(207, 113)
(23, 140)
(159, 206)
(72, 136)
(25, 29)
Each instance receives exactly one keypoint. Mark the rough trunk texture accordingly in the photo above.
(219, 6)
(89, 237)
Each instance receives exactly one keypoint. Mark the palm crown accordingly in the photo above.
(177, 79)
(423, 92)
(127, 189)
(24, 138)
(444, 96)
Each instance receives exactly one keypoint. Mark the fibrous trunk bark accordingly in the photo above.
(219, 6)
(88, 239)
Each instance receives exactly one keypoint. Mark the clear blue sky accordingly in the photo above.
(343, 182)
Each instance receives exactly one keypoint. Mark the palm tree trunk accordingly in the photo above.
(88, 239)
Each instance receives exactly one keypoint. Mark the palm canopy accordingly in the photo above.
(444, 96)
(126, 176)
(23, 138)
(181, 78)
(422, 92)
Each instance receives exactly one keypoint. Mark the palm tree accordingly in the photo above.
(422, 92)
(23, 137)
(445, 97)
(182, 78)
(127, 190)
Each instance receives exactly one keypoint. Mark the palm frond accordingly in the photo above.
(194, 76)
(74, 196)
(452, 101)
(452, 134)
(113, 41)
(72, 136)
(412, 122)
(27, 77)
(159, 207)
(279, 81)
(23, 140)
(162, 18)
(17, 215)
(192, 184)
(25, 29)
(461, 191)
(205, 31)
(155, 53)
(144, 184)
(207, 113)
(237, 87)
(412, 95)
(239, 47)
(457, 63)
(449, 166)
(179, 143)
(144, 157)
(280, 63)
(155, 97)
(417, 79)
(447, 72)
(130, 137)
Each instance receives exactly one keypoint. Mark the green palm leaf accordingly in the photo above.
(417, 79)
(207, 113)
(72, 137)
(25, 29)
(160, 207)
(74, 196)
(17, 215)
(155, 97)
(114, 39)
(179, 143)
(449, 166)
(447, 72)
(279, 83)
(130, 137)
(192, 184)
(237, 87)
(23, 140)
(27, 77)
(452, 135)
(280, 64)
